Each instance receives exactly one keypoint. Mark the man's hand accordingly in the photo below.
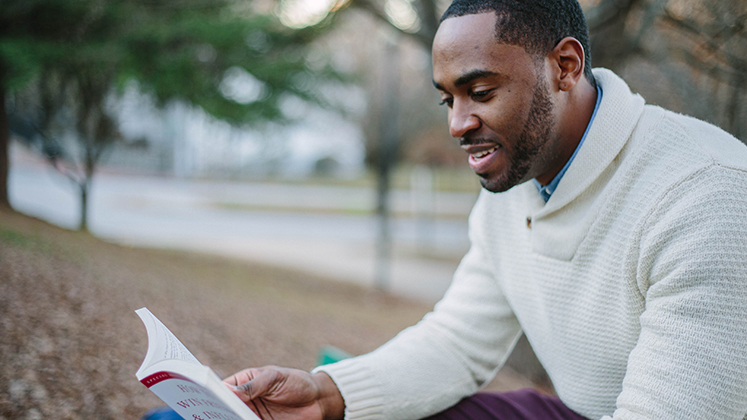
(275, 393)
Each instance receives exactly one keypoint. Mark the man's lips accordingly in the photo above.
(482, 156)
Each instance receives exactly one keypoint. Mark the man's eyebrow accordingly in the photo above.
(468, 77)
(472, 75)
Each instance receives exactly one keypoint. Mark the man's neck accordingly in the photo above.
(546, 191)
(574, 119)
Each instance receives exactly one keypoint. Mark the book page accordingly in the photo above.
(162, 343)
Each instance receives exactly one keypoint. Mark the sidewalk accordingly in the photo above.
(322, 230)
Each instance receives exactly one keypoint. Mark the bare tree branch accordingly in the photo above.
(709, 43)
(726, 75)
(426, 10)
(429, 21)
(608, 12)
(653, 11)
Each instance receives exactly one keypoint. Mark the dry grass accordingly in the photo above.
(70, 342)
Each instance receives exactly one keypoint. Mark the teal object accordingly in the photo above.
(331, 354)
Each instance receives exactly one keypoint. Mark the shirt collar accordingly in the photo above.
(547, 190)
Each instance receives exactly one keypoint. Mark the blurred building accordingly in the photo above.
(184, 141)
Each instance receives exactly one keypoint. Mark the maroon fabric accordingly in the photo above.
(525, 404)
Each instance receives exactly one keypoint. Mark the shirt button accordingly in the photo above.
(529, 222)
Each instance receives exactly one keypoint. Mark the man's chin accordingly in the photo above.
(499, 184)
(493, 186)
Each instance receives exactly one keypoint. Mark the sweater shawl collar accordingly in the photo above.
(557, 226)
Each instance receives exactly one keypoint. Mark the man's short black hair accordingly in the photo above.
(535, 25)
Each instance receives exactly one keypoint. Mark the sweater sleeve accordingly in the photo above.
(431, 366)
(690, 361)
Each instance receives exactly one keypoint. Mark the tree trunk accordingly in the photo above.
(611, 45)
(4, 145)
(388, 150)
(732, 107)
(84, 206)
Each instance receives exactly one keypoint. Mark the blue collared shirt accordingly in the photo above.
(547, 190)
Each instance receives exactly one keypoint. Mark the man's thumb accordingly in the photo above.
(258, 386)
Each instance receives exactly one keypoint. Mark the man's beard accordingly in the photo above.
(530, 143)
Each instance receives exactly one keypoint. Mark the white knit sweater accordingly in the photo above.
(630, 283)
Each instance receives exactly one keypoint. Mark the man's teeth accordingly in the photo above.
(482, 154)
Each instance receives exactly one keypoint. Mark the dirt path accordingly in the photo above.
(70, 342)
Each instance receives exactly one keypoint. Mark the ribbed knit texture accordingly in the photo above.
(631, 283)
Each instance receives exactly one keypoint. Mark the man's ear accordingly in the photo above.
(567, 60)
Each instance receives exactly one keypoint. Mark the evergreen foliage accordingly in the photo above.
(66, 57)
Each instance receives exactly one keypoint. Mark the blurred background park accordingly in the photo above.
(281, 162)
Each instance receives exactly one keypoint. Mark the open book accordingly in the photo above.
(194, 391)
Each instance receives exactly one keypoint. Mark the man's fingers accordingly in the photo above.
(245, 391)
(260, 384)
(241, 377)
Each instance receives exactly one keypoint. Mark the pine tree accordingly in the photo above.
(70, 55)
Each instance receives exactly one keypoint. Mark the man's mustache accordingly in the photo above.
(469, 141)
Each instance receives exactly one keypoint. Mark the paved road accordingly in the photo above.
(315, 229)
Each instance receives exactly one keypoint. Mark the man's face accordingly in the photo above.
(498, 100)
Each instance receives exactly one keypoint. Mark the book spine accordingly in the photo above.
(157, 377)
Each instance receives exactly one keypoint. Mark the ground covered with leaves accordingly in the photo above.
(70, 341)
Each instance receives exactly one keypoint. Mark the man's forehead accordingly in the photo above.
(466, 49)
(476, 28)
(462, 48)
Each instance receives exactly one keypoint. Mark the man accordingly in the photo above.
(614, 234)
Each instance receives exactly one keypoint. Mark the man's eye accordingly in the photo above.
(480, 95)
(446, 101)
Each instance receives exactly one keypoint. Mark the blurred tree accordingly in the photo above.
(687, 55)
(67, 60)
(697, 47)
(416, 18)
(417, 21)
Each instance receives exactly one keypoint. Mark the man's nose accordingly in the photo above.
(462, 121)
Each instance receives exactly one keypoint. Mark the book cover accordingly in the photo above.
(175, 375)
